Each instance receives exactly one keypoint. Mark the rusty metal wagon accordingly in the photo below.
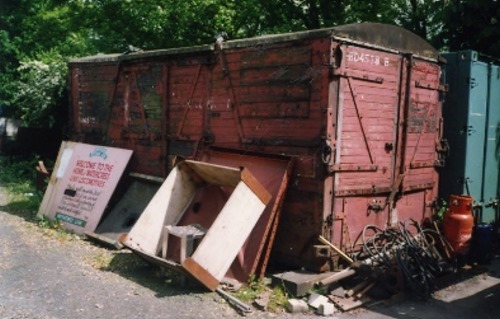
(357, 107)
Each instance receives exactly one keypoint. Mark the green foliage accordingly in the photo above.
(424, 18)
(17, 171)
(441, 208)
(24, 205)
(472, 24)
(18, 177)
(38, 36)
(255, 287)
(40, 90)
(45, 222)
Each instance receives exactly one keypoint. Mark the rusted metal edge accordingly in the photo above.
(429, 86)
(364, 77)
(273, 226)
(103, 240)
(382, 190)
(255, 186)
(251, 153)
(415, 165)
(154, 259)
(374, 35)
(200, 274)
(353, 168)
(283, 142)
(149, 178)
(349, 303)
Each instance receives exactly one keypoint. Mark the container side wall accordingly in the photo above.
(135, 119)
(472, 167)
(92, 88)
(492, 161)
(456, 125)
(337, 108)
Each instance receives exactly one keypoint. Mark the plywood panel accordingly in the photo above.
(229, 231)
(165, 208)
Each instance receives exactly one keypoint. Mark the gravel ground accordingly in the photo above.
(44, 274)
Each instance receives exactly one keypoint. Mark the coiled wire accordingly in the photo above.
(416, 252)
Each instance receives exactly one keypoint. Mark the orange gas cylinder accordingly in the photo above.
(458, 223)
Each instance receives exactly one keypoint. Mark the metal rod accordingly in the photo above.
(240, 305)
(332, 246)
(337, 276)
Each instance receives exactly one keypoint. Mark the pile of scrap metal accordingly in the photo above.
(407, 257)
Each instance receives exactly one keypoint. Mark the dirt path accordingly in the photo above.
(43, 277)
(44, 274)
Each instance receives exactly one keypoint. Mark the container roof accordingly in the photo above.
(378, 35)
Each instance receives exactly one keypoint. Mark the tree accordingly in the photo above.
(40, 91)
(472, 24)
(36, 39)
(422, 17)
(40, 32)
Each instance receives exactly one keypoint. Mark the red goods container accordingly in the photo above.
(357, 106)
(458, 223)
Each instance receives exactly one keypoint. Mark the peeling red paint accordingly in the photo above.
(361, 121)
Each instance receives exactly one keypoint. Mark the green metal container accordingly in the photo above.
(471, 116)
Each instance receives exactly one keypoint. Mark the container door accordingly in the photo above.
(388, 127)
(366, 125)
(464, 125)
(364, 165)
(492, 163)
(475, 129)
(421, 137)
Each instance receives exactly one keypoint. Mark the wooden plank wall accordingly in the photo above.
(274, 98)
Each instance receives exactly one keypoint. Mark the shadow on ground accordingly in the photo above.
(472, 292)
(24, 206)
(163, 282)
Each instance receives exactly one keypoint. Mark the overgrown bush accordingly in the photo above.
(40, 91)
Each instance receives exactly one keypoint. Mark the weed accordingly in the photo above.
(45, 222)
(18, 176)
(101, 261)
(255, 287)
(441, 207)
(125, 262)
(278, 299)
(17, 170)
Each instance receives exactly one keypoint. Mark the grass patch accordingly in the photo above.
(18, 177)
(256, 287)
(102, 260)
(121, 262)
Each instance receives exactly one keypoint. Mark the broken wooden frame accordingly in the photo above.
(193, 186)
(138, 191)
(273, 172)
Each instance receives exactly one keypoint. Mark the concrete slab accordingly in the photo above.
(298, 283)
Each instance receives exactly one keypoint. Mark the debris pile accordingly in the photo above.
(416, 255)
(387, 262)
(217, 205)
